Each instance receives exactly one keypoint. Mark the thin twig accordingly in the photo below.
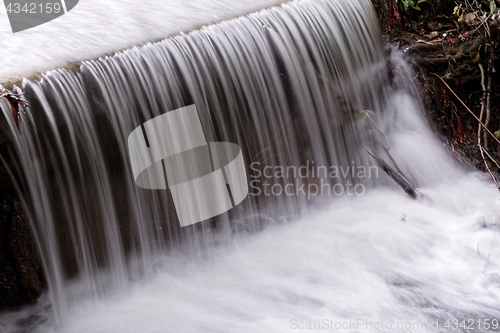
(466, 107)
(481, 149)
(483, 99)
(487, 107)
(484, 21)
(487, 167)
(491, 158)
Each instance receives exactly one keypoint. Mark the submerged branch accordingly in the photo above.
(398, 178)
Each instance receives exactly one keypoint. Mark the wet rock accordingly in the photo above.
(21, 273)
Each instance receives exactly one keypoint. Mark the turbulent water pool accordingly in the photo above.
(304, 85)
(381, 257)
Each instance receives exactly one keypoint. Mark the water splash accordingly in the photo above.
(288, 85)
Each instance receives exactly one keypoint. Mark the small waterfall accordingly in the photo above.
(289, 85)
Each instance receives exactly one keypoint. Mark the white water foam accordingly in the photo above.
(96, 27)
(381, 257)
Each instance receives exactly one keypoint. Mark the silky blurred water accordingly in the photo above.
(381, 256)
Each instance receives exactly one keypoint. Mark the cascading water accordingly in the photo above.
(289, 85)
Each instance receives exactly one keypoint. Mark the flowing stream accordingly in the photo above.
(308, 84)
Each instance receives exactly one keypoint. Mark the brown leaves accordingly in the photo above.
(14, 100)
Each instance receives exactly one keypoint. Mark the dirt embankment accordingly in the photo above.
(456, 51)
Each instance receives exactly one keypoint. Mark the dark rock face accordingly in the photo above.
(21, 273)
